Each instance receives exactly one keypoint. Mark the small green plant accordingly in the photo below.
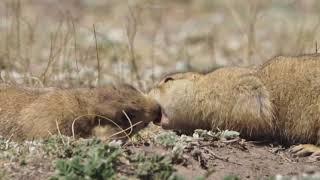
(23, 162)
(58, 146)
(5, 144)
(231, 177)
(154, 167)
(3, 175)
(95, 160)
(200, 178)
(213, 136)
(229, 134)
(99, 162)
(167, 139)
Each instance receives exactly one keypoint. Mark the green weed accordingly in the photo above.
(97, 162)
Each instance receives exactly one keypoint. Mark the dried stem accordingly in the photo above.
(75, 50)
(103, 117)
(131, 31)
(251, 34)
(44, 74)
(97, 55)
(59, 132)
(17, 18)
(157, 17)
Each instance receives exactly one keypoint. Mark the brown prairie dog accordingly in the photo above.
(279, 100)
(30, 113)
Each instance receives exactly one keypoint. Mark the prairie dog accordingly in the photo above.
(294, 86)
(278, 100)
(27, 113)
(228, 98)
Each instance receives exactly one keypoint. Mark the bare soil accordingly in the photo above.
(245, 160)
(200, 159)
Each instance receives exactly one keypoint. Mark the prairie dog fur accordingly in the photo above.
(277, 100)
(27, 113)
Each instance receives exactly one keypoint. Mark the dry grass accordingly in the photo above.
(138, 41)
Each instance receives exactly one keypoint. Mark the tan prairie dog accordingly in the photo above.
(27, 113)
(280, 100)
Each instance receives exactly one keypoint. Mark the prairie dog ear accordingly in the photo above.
(166, 79)
(253, 111)
(177, 76)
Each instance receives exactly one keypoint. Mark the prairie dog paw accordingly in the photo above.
(304, 150)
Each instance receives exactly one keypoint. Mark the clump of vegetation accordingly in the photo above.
(154, 167)
(58, 146)
(179, 143)
(171, 139)
(5, 144)
(167, 139)
(213, 136)
(231, 177)
(3, 175)
(97, 163)
(93, 159)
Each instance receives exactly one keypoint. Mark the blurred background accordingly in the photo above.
(85, 43)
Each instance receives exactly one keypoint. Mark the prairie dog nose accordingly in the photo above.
(157, 120)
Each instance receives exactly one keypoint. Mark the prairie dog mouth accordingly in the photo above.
(163, 121)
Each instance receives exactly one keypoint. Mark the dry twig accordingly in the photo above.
(97, 55)
(60, 135)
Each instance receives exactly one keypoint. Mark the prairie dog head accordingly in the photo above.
(122, 107)
(228, 98)
(175, 93)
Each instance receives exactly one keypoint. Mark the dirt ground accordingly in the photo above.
(244, 160)
(199, 159)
